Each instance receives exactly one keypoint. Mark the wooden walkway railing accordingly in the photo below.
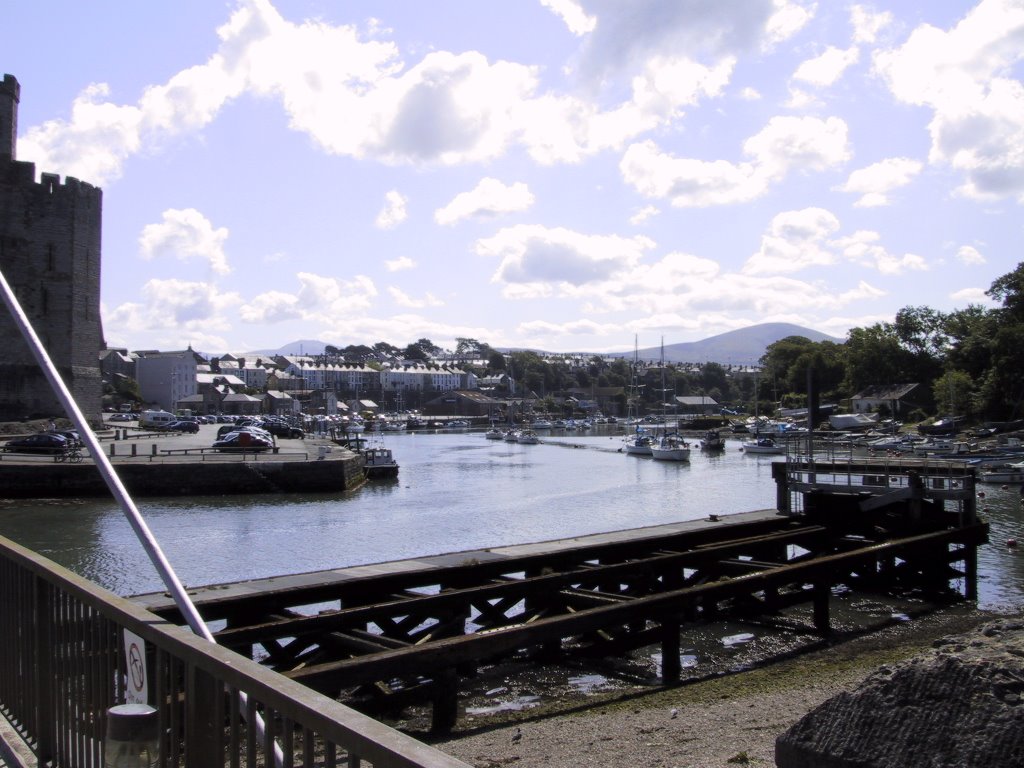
(62, 667)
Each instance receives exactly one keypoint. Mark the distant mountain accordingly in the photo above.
(742, 347)
(300, 347)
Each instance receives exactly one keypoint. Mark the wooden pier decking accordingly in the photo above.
(416, 625)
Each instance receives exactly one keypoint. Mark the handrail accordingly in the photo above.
(182, 658)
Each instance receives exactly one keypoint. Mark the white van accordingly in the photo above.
(151, 419)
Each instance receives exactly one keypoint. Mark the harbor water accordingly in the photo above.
(454, 491)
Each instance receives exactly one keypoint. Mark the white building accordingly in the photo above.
(166, 377)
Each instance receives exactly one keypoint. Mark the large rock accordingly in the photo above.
(960, 705)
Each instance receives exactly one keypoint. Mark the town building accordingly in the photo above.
(165, 378)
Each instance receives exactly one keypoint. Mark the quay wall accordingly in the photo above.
(185, 477)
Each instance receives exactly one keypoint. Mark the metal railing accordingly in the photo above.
(62, 667)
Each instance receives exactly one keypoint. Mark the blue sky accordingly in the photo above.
(565, 175)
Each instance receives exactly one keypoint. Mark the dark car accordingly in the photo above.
(44, 442)
(182, 426)
(243, 441)
(73, 438)
(282, 429)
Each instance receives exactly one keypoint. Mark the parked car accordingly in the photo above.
(243, 440)
(182, 426)
(228, 429)
(73, 438)
(44, 442)
(282, 429)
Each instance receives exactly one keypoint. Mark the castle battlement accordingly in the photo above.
(50, 253)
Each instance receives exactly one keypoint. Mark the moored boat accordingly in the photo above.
(1007, 473)
(712, 441)
(763, 445)
(379, 462)
(639, 444)
(671, 447)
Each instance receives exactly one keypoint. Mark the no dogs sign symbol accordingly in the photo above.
(136, 685)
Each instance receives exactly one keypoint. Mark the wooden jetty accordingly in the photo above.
(413, 627)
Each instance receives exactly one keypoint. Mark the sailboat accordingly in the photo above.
(761, 444)
(671, 446)
(639, 443)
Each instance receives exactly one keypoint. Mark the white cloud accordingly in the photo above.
(862, 248)
(750, 94)
(401, 264)
(875, 181)
(973, 296)
(393, 213)
(795, 240)
(272, 307)
(644, 215)
(537, 260)
(970, 255)
(828, 67)
(574, 17)
(184, 235)
(964, 76)
(490, 197)
(867, 23)
(798, 240)
(403, 299)
(174, 313)
(355, 96)
(629, 33)
(785, 143)
(788, 19)
(332, 295)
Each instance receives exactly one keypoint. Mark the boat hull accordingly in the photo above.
(670, 454)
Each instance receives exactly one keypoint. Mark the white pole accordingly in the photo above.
(135, 519)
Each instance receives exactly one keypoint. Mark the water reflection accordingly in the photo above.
(453, 492)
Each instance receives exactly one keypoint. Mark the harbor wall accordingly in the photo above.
(183, 478)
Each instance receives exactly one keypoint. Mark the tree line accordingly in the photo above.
(967, 362)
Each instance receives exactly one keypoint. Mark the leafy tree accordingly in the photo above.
(356, 353)
(496, 361)
(874, 356)
(387, 350)
(415, 352)
(1009, 291)
(922, 330)
(970, 332)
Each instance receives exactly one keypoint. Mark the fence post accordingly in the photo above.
(45, 725)
(203, 702)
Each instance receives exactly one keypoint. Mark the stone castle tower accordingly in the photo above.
(50, 256)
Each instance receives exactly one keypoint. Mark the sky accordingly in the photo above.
(562, 175)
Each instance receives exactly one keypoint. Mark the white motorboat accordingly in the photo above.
(527, 437)
(540, 423)
(763, 445)
(494, 434)
(1007, 473)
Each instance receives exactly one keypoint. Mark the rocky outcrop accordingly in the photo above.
(960, 705)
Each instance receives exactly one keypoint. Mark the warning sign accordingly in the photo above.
(136, 684)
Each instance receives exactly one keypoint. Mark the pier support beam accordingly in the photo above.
(446, 701)
(671, 668)
(822, 592)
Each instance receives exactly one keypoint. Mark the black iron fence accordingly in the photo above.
(62, 666)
